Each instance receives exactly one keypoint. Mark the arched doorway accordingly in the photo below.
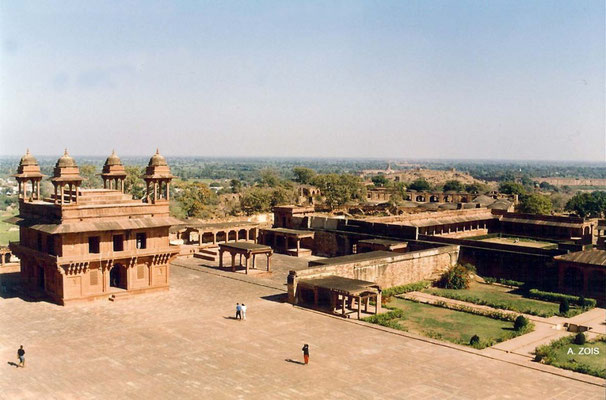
(117, 276)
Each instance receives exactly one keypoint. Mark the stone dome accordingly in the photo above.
(113, 159)
(28, 160)
(157, 160)
(65, 161)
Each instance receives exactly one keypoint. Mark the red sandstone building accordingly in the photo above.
(85, 244)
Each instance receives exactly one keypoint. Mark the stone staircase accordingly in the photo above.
(119, 296)
(208, 254)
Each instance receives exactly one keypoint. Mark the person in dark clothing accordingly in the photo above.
(305, 350)
(238, 311)
(21, 355)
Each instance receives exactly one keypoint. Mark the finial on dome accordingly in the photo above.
(27, 151)
(157, 150)
(65, 152)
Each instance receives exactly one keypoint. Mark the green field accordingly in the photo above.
(453, 326)
(5, 235)
(589, 358)
(503, 298)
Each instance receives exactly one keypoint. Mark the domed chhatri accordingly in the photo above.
(113, 159)
(157, 179)
(65, 161)
(113, 173)
(28, 171)
(157, 160)
(66, 176)
(28, 160)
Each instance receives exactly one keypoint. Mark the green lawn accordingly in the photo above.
(453, 326)
(5, 235)
(503, 298)
(589, 358)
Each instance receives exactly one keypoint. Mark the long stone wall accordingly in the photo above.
(392, 270)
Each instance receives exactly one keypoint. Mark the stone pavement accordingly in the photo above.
(184, 344)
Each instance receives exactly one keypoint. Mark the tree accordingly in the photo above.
(476, 188)
(380, 180)
(457, 277)
(256, 200)
(580, 339)
(591, 205)
(453, 185)
(269, 177)
(281, 196)
(340, 189)
(194, 198)
(303, 175)
(564, 306)
(535, 204)
(510, 187)
(91, 179)
(133, 183)
(520, 323)
(420, 185)
(235, 185)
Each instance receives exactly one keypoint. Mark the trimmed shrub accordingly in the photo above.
(474, 341)
(582, 302)
(579, 338)
(564, 306)
(520, 323)
(411, 287)
(558, 297)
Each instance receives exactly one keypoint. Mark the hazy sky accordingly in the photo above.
(425, 79)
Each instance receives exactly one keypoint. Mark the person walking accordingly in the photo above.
(305, 350)
(21, 355)
(243, 311)
(238, 311)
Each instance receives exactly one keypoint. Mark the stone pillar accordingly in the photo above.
(253, 261)
(214, 237)
(62, 194)
(200, 238)
(359, 307)
(246, 262)
(343, 305)
(378, 302)
(298, 245)
(167, 190)
(38, 190)
(367, 300)
(155, 191)
(221, 258)
(268, 261)
(237, 234)
(233, 262)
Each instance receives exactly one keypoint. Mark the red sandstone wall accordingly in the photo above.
(398, 270)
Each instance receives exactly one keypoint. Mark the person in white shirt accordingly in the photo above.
(243, 307)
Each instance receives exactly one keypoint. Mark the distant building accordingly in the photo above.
(86, 244)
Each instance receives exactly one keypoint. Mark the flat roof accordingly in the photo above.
(542, 222)
(290, 232)
(385, 242)
(215, 225)
(341, 284)
(593, 257)
(371, 255)
(93, 226)
(248, 246)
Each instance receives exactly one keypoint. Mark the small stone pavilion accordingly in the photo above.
(85, 244)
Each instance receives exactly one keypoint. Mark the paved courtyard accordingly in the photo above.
(185, 344)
